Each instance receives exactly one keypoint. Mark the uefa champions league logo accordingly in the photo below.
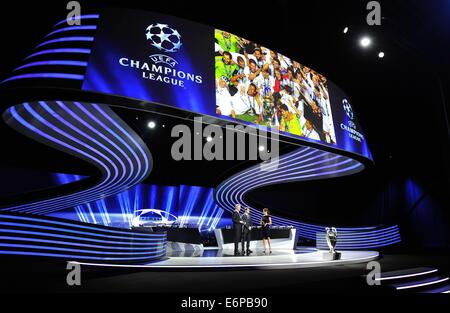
(347, 108)
(163, 37)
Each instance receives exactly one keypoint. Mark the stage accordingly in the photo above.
(279, 259)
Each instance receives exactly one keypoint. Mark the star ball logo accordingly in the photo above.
(351, 128)
(347, 108)
(163, 37)
(162, 68)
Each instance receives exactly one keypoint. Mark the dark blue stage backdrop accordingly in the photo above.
(171, 61)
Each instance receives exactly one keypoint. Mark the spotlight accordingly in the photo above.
(345, 30)
(365, 42)
(381, 54)
(261, 148)
(209, 138)
(151, 124)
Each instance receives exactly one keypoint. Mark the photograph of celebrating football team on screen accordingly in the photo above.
(258, 85)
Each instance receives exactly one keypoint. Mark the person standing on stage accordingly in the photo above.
(266, 221)
(246, 232)
(237, 226)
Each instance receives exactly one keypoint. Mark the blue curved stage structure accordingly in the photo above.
(304, 164)
(43, 236)
(84, 124)
(91, 132)
(63, 54)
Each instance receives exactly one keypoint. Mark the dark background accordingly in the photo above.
(401, 101)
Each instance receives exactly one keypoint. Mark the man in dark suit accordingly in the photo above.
(247, 230)
(237, 227)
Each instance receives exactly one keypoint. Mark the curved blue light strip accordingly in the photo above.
(68, 243)
(72, 28)
(67, 230)
(298, 177)
(53, 62)
(51, 243)
(138, 163)
(66, 39)
(280, 173)
(115, 180)
(139, 166)
(358, 240)
(303, 164)
(93, 228)
(60, 50)
(90, 138)
(45, 234)
(15, 245)
(81, 17)
(45, 75)
(125, 133)
(118, 137)
(76, 256)
(137, 179)
(17, 116)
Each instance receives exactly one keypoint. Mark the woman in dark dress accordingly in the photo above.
(266, 221)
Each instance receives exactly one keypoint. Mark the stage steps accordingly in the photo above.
(417, 280)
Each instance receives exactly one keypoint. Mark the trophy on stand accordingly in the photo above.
(331, 237)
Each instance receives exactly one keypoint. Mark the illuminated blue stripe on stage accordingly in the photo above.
(38, 117)
(74, 231)
(127, 242)
(349, 235)
(64, 200)
(13, 245)
(66, 39)
(94, 130)
(131, 248)
(45, 75)
(356, 238)
(49, 221)
(343, 231)
(73, 28)
(19, 118)
(74, 256)
(268, 180)
(296, 166)
(276, 219)
(366, 246)
(67, 135)
(60, 50)
(347, 230)
(362, 241)
(119, 138)
(279, 180)
(81, 17)
(145, 173)
(53, 62)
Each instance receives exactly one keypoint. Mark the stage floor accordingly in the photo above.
(279, 259)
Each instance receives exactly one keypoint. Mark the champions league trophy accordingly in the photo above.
(267, 110)
(331, 237)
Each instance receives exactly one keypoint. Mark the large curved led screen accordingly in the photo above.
(175, 62)
(258, 85)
